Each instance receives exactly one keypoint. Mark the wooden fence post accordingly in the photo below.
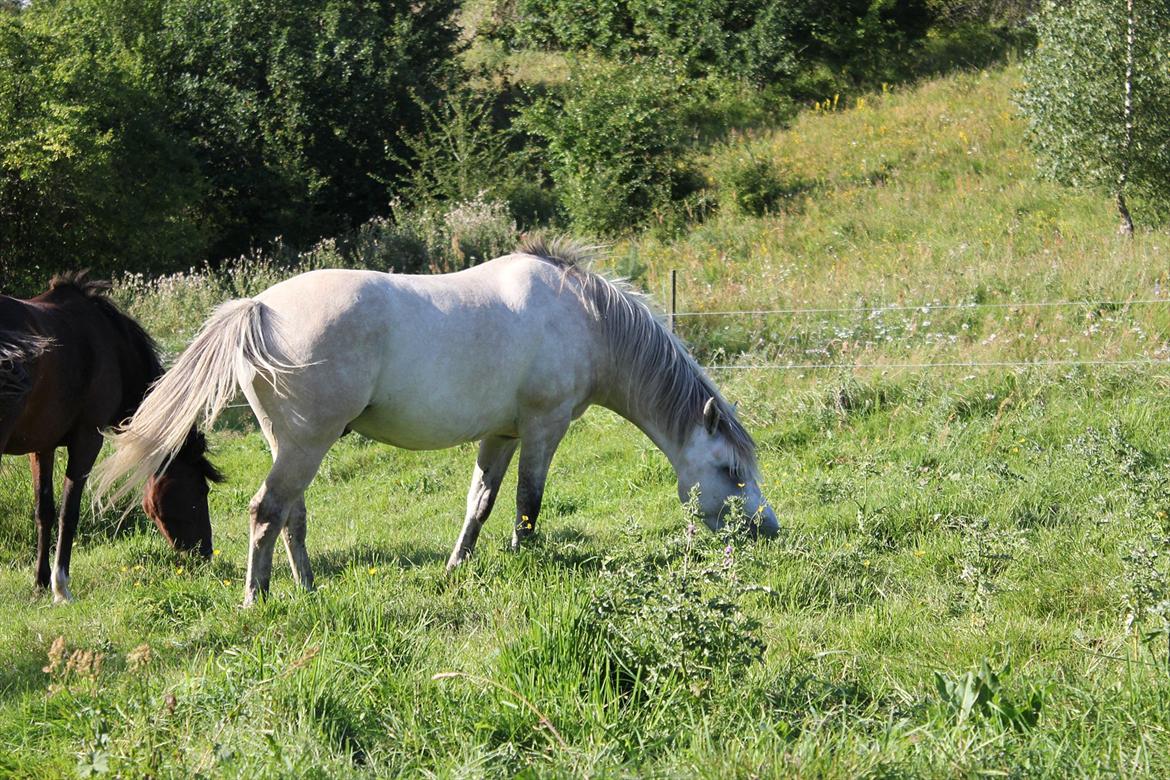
(673, 298)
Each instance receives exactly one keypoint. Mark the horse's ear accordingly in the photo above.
(711, 415)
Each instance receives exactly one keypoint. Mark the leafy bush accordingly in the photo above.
(761, 41)
(755, 186)
(90, 174)
(743, 39)
(458, 152)
(616, 142)
(293, 107)
(575, 25)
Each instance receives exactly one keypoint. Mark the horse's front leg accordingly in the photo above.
(83, 451)
(538, 442)
(41, 464)
(495, 453)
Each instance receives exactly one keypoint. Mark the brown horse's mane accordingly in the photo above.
(144, 348)
(80, 281)
(97, 291)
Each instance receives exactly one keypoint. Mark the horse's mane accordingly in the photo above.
(80, 281)
(661, 372)
(97, 292)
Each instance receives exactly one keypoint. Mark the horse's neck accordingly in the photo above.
(624, 397)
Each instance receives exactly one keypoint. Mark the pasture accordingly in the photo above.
(971, 576)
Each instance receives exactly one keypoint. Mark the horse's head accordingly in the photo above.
(713, 460)
(176, 497)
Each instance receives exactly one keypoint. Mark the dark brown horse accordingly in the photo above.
(71, 365)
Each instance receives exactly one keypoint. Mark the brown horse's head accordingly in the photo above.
(176, 497)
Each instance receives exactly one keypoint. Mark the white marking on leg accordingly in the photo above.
(60, 580)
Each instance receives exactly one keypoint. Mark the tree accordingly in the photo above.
(295, 109)
(89, 173)
(1097, 96)
(156, 134)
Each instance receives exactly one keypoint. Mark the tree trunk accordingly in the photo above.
(1126, 226)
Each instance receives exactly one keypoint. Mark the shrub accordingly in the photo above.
(616, 142)
(860, 41)
(438, 238)
(753, 186)
(148, 135)
(293, 107)
(90, 173)
(459, 152)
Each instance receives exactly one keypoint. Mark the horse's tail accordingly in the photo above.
(17, 350)
(196, 389)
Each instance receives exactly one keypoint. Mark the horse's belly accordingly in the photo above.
(423, 429)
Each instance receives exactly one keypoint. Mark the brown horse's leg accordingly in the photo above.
(538, 442)
(495, 453)
(83, 451)
(41, 464)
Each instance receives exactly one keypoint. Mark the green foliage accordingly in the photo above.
(760, 42)
(616, 143)
(459, 151)
(982, 693)
(297, 111)
(1075, 92)
(150, 135)
(673, 616)
(755, 186)
(90, 174)
(575, 25)
(743, 39)
(466, 150)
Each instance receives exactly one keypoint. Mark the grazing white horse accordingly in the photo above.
(506, 353)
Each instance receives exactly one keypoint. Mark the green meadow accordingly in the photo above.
(973, 576)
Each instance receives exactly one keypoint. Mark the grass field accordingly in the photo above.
(972, 577)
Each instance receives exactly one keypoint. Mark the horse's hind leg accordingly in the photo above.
(495, 453)
(282, 491)
(294, 544)
(539, 440)
(41, 464)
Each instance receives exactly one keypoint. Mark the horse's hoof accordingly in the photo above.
(61, 592)
(457, 558)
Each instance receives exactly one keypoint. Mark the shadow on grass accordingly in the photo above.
(404, 556)
(22, 675)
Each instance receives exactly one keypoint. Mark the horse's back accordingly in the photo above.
(431, 361)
